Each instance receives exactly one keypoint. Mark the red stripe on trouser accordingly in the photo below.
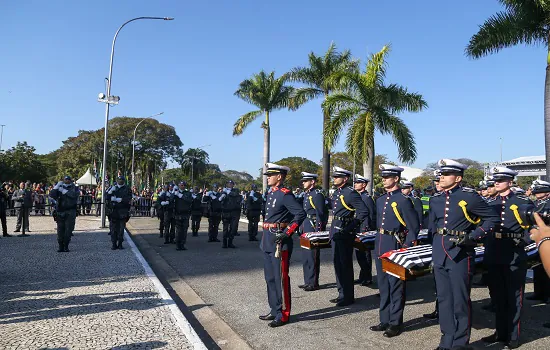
(469, 304)
(520, 307)
(285, 279)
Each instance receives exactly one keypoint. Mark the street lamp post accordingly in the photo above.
(134, 143)
(108, 99)
(1, 136)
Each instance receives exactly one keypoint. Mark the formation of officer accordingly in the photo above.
(459, 219)
(348, 212)
(254, 206)
(398, 227)
(283, 217)
(364, 258)
(196, 211)
(214, 210)
(506, 259)
(161, 208)
(316, 219)
(231, 200)
(182, 203)
(65, 195)
(120, 198)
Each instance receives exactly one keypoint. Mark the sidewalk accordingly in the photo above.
(89, 298)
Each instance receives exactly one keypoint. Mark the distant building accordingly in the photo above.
(528, 166)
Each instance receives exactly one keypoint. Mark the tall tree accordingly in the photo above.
(268, 94)
(297, 165)
(521, 22)
(319, 78)
(370, 105)
(21, 163)
(194, 163)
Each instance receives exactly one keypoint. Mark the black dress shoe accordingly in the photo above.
(216, 240)
(366, 283)
(393, 331)
(302, 286)
(277, 323)
(493, 338)
(166, 242)
(512, 344)
(268, 317)
(6, 235)
(358, 281)
(342, 303)
(379, 327)
(335, 300)
(432, 315)
(310, 288)
(536, 298)
(546, 325)
(17, 230)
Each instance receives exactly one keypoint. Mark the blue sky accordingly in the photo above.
(55, 56)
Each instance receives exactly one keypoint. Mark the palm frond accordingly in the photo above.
(375, 71)
(338, 101)
(397, 99)
(337, 123)
(355, 144)
(244, 120)
(506, 29)
(401, 134)
(303, 95)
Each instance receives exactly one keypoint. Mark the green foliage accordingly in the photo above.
(472, 177)
(155, 144)
(421, 182)
(369, 105)
(297, 165)
(525, 181)
(21, 163)
(194, 162)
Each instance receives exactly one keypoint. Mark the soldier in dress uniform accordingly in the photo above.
(349, 212)
(491, 190)
(214, 213)
(196, 211)
(398, 228)
(506, 259)
(254, 205)
(120, 200)
(407, 190)
(183, 203)
(231, 212)
(161, 198)
(314, 205)
(283, 217)
(541, 282)
(364, 259)
(437, 175)
(167, 204)
(65, 194)
(455, 213)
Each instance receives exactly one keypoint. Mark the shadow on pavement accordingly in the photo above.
(142, 345)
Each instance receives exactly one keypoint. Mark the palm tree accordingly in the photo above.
(194, 161)
(267, 93)
(369, 105)
(522, 22)
(319, 78)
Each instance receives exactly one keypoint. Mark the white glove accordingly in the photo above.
(57, 185)
(179, 194)
(227, 190)
(63, 190)
(222, 197)
(111, 190)
(118, 200)
(113, 199)
(212, 195)
(254, 199)
(164, 203)
(194, 196)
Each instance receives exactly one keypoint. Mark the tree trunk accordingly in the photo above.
(326, 153)
(266, 149)
(547, 116)
(368, 167)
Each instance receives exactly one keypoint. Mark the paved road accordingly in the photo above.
(89, 298)
(231, 282)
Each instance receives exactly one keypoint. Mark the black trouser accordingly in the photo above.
(364, 259)
(182, 225)
(343, 267)
(230, 225)
(253, 219)
(508, 282)
(117, 232)
(3, 219)
(195, 223)
(65, 226)
(541, 283)
(169, 226)
(22, 215)
(161, 218)
(214, 225)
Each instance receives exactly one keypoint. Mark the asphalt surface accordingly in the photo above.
(231, 282)
(89, 298)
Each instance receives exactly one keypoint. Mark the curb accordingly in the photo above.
(209, 326)
(181, 321)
